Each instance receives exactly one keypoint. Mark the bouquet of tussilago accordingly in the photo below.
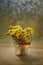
(20, 35)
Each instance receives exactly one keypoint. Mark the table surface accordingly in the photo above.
(8, 57)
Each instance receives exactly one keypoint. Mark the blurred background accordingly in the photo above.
(21, 12)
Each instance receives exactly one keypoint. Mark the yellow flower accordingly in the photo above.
(18, 33)
(9, 32)
(13, 32)
(26, 39)
(28, 30)
(10, 27)
(15, 27)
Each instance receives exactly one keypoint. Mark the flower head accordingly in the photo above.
(28, 30)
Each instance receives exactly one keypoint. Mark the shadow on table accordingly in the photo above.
(29, 59)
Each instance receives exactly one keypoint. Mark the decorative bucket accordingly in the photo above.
(22, 48)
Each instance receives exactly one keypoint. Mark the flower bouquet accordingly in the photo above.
(23, 37)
